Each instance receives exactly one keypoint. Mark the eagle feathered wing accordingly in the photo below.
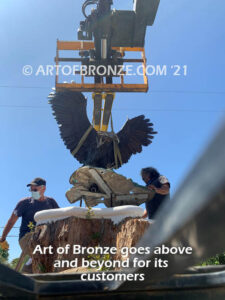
(69, 110)
(136, 133)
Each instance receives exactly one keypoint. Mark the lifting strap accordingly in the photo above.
(116, 149)
(82, 140)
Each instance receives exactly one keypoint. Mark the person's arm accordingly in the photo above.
(163, 190)
(12, 220)
(145, 214)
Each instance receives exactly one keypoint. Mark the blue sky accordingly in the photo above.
(185, 110)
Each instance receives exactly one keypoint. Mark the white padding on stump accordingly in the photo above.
(116, 214)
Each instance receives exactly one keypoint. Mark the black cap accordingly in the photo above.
(37, 181)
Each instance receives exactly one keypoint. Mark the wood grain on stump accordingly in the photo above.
(86, 233)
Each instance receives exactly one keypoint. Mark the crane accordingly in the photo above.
(106, 39)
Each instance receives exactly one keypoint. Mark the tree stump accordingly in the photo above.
(86, 232)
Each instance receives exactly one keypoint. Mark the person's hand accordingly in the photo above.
(144, 215)
(152, 187)
(2, 240)
(4, 245)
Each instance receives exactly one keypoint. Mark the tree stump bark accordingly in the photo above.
(86, 233)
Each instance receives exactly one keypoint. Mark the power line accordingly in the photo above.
(23, 106)
(151, 91)
(129, 109)
(12, 227)
(188, 92)
(173, 110)
(24, 87)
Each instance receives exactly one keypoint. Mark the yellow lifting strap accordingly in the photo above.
(97, 111)
(108, 102)
(116, 149)
(101, 115)
(82, 140)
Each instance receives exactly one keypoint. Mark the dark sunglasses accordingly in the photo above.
(33, 190)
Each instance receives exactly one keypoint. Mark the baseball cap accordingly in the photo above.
(37, 182)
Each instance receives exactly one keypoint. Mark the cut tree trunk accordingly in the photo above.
(84, 232)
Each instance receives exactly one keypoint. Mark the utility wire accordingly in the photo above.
(24, 87)
(12, 227)
(173, 110)
(151, 91)
(129, 109)
(124, 109)
(23, 106)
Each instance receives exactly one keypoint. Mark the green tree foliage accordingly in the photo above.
(14, 262)
(219, 259)
(4, 255)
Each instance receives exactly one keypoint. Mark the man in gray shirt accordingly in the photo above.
(26, 208)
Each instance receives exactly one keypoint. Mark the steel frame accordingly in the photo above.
(99, 87)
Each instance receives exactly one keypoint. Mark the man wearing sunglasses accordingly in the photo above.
(26, 208)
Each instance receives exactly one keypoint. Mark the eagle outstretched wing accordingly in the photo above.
(135, 134)
(69, 110)
(97, 150)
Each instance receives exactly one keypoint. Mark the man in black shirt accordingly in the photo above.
(26, 208)
(158, 183)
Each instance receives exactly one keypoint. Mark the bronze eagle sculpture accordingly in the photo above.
(93, 148)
